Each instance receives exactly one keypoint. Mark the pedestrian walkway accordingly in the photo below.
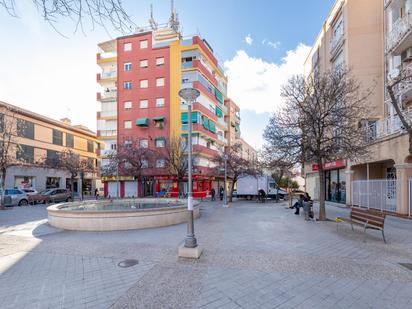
(255, 256)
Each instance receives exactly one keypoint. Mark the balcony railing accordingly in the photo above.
(388, 126)
(108, 113)
(108, 132)
(222, 123)
(400, 28)
(108, 74)
(111, 94)
(406, 84)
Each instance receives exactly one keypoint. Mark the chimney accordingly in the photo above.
(66, 121)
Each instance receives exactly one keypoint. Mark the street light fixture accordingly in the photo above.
(190, 95)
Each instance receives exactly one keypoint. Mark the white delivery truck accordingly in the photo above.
(248, 187)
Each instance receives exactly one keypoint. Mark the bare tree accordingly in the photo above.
(9, 145)
(72, 162)
(320, 122)
(94, 12)
(175, 155)
(237, 166)
(132, 159)
(394, 87)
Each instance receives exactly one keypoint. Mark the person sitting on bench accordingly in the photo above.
(303, 198)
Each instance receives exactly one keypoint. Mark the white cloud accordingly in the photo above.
(275, 45)
(248, 39)
(255, 84)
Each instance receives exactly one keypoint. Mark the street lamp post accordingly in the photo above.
(190, 95)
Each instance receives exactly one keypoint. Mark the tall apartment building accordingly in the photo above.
(142, 75)
(107, 98)
(351, 35)
(40, 138)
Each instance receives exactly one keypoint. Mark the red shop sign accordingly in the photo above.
(330, 165)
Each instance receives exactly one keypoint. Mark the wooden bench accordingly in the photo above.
(369, 219)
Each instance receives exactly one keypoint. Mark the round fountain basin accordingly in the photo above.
(123, 214)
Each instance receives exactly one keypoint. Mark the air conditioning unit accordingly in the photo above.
(407, 55)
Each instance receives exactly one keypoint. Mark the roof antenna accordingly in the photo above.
(152, 22)
(174, 20)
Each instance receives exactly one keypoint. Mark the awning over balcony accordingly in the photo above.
(185, 120)
(219, 112)
(160, 138)
(142, 122)
(212, 126)
(159, 118)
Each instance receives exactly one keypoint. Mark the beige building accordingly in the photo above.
(353, 36)
(233, 134)
(40, 138)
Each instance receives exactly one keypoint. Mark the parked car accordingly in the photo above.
(13, 197)
(30, 191)
(55, 195)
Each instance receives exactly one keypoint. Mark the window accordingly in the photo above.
(144, 143)
(90, 146)
(337, 31)
(160, 163)
(160, 82)
(144, 44)
(52, 182)
(113, 146)
(69, 140)
(128, 66)
(127, 124)
(25, 129)
(127, 46)
(127, 104)
(57, 137)
(145, 163)
(160, 102)
(128, 144)
(144, 83)
(1, 122)
(25, 154)
(159, 142)
(127, 85)
(339, 62)
(144, 103)
(52, 157)
(160, 61)
(144, 63)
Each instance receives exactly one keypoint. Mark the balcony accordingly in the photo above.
(399, 38)
(222, 123)
(108, 114)
(106, 76)
(106, 57)
(108, 133)
(335, 43)
(387, 126)
(108, 95)
(403, 90)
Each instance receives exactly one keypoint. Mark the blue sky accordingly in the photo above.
(260, 43)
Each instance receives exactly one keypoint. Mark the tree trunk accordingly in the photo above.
(3, 186)
(72, 186)
(232, 186)
(322, 184)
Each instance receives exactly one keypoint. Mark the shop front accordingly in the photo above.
(335, 178)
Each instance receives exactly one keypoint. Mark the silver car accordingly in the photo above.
(13, 197)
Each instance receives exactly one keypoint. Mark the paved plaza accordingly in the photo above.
(255, 256)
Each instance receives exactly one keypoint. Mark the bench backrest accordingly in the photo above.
(373, 218)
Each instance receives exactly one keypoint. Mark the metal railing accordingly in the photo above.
(108, 74)
(111, 94)
(108, 132)
(112, 113)
(400, 28)
(388, 126)
(377, 194)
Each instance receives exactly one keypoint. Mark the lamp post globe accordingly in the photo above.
(190, 95)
